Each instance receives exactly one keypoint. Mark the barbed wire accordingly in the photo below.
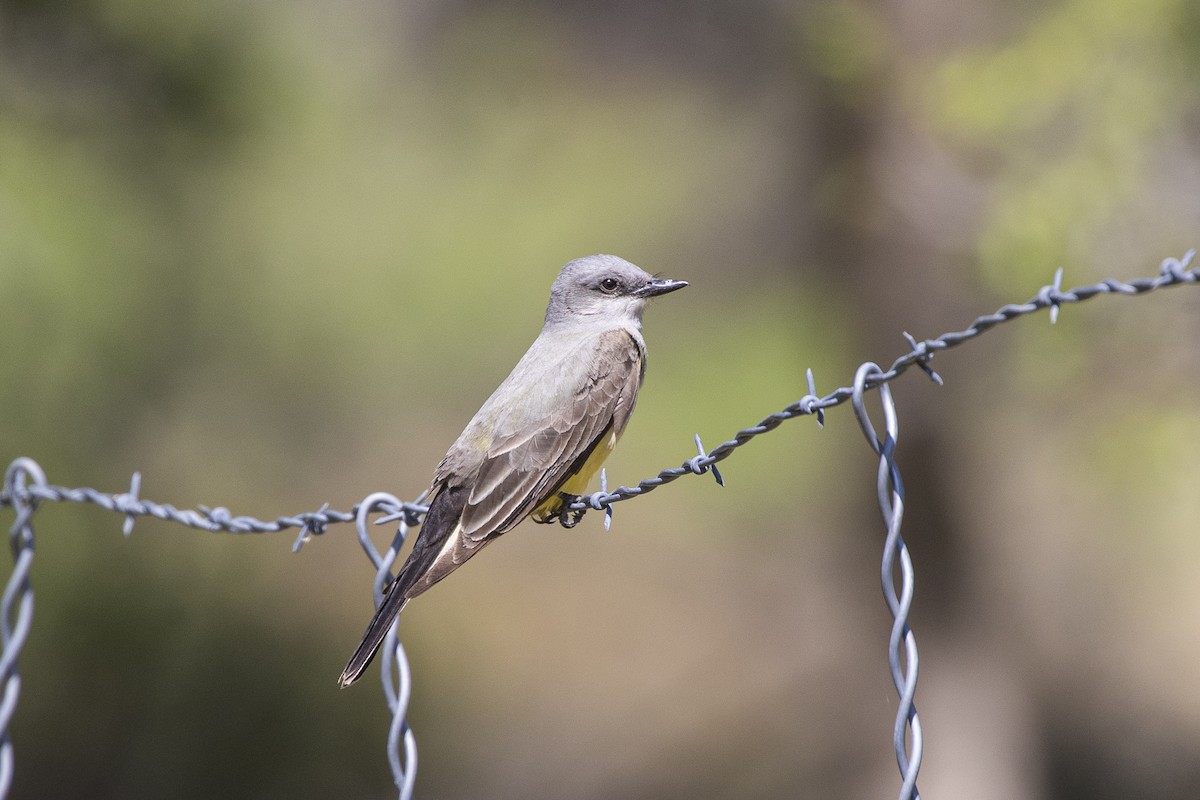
(25, 487)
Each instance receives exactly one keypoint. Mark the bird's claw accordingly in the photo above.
(569, 517)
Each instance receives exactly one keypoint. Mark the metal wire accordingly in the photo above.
(891, 504)
(25, 486)
(394, 673)
(16, 605)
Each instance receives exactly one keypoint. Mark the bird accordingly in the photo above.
(535, 444)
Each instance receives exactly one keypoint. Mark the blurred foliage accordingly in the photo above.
(1072, 114)
(847, 43)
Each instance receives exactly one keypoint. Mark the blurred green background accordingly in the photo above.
(274, 255)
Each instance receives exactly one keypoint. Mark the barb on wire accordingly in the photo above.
(810, 402)
(923, 358)
(123, 502)
(890, 490)
(593, 501)
(1052, 293)
(700, 464)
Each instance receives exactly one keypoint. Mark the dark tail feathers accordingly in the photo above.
(381, 623)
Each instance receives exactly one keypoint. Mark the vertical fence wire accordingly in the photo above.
(16, 605)
(890, 490)
(394, 671)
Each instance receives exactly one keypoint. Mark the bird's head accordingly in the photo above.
(604, 288)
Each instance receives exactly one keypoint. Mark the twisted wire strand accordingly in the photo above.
(16, 605)
(890, 491)
(395, 674)
(401, 741)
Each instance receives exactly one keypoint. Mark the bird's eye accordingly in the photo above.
(609, 285)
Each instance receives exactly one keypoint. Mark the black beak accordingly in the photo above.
(658, 286)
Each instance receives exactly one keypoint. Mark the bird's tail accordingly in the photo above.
(417, 575)
(385, 616)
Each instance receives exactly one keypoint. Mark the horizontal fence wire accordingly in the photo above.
(26, 487)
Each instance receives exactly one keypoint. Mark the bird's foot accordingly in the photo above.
(569, 518)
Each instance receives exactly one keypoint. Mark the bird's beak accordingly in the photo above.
(658, 286)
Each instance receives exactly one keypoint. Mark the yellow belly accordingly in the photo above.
(577, 484)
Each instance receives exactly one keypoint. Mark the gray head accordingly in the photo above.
(605, 289)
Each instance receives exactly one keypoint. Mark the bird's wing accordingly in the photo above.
(546, 438)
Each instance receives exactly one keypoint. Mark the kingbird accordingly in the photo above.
(532, 448)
